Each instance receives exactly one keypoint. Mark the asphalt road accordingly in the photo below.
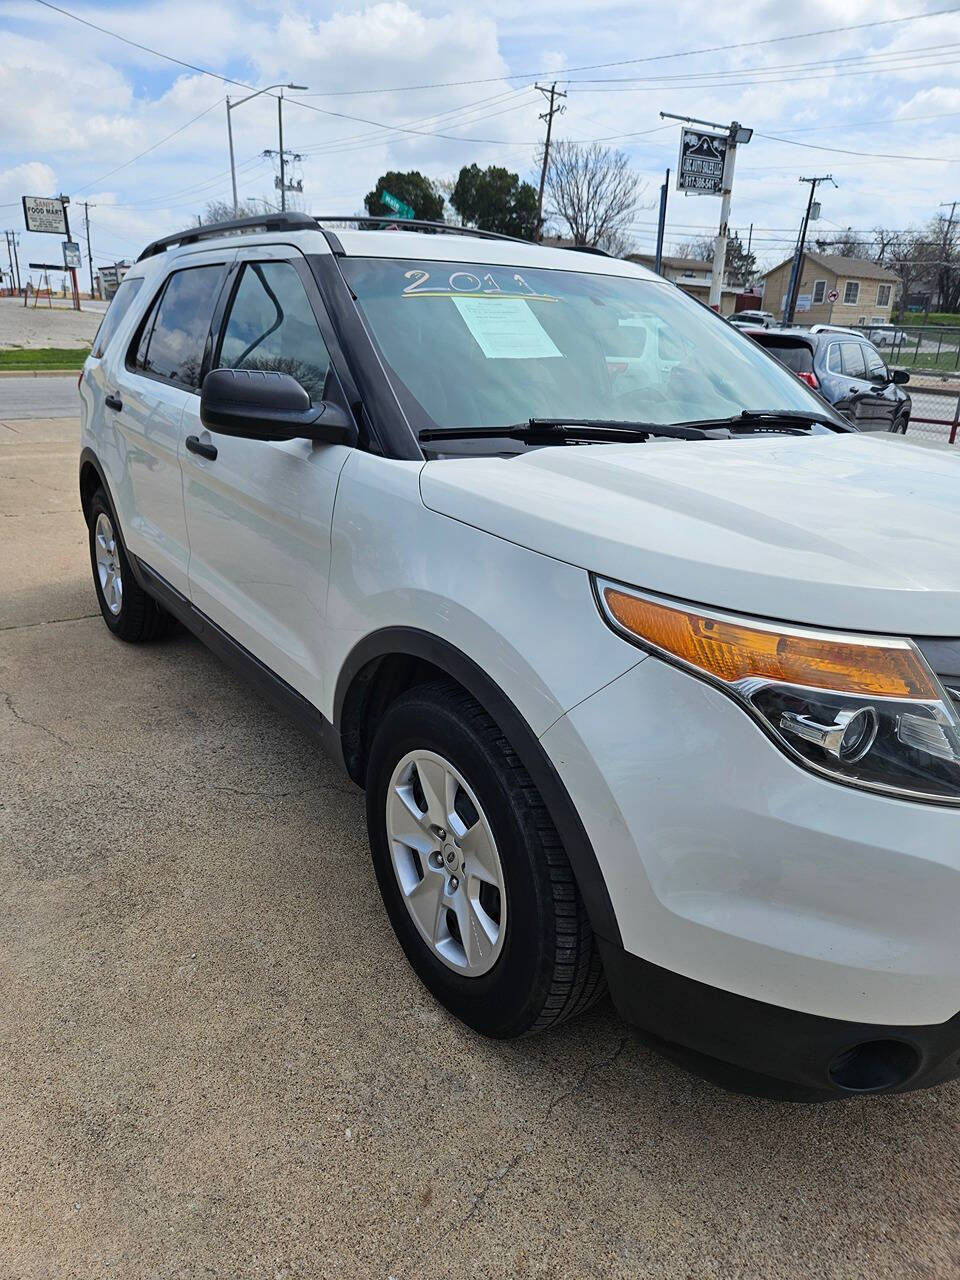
(38, 398)
(215, 1062)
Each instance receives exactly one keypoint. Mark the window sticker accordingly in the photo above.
(506, 329)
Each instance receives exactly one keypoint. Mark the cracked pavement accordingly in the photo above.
(215, 1061)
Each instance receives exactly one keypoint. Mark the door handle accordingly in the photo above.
(113, 402)
(204, 450)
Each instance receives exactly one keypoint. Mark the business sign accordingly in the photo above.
(399, 208)
(71, 254)
(42, 214)
(702, 160)
(803, 302)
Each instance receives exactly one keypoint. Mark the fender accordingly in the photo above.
(87, 455)
(410, 642)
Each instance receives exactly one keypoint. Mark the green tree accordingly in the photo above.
(413, 189)
(494, 199)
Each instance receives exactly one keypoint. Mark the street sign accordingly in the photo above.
(71, 254)
(399, 208)
(833, 295)
(703, 157)
(45, 215)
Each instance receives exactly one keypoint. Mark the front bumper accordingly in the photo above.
(730, 865)
(774, 1052)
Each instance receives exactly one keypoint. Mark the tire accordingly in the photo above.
(538, 963)
(900, 424)
(127, 610)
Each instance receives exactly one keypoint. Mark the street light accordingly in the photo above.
(231, 106)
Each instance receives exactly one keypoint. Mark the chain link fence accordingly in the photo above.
(934, 347)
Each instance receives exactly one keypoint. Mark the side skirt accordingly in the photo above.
(298, 708)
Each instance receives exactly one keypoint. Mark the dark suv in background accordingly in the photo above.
(849, 372)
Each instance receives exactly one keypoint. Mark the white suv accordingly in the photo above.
(647, 665)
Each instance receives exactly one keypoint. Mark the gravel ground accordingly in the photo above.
(215, 1062)
(42, 326)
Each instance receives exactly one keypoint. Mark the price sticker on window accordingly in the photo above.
(506, 329)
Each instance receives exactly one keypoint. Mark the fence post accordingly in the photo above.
(956, 422)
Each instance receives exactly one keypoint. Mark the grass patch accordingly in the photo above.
(29, 359)
(948, 361)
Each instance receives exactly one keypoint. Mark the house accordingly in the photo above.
(108, 279)
(692, 276)
(864, 291)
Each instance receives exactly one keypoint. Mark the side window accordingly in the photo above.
(874, 361)
(118, 308)
(819, 291)
(172, 341)
(271, 326)
(851, 293)
(851, 356)
(833, 358)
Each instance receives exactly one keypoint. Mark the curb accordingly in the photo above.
(40, 373)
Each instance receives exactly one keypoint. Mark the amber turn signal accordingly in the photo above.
(730, 650)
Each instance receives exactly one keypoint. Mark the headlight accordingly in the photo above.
(865, 710)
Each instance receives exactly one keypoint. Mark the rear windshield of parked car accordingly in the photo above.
(797, 356)
(470, 344)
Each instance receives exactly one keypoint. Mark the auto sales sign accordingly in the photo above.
(701, 164)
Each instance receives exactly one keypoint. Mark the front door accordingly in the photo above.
(259, 512)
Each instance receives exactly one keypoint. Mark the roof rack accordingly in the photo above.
(309, 222)
(239, 226)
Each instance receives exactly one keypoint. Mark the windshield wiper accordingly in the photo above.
(551, 430)
(780, 421)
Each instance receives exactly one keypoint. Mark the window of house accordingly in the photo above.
(272, 326)
(819, 291)
(861, 321)
(883, 295)
(851, 293)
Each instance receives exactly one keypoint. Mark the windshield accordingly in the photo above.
(473, 345)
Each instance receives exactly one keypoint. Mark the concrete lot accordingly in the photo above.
(214, 1060)
(43, 326)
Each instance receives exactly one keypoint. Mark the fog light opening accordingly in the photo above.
(873, 1065)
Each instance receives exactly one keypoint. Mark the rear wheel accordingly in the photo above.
(127, 610)
(472, 871)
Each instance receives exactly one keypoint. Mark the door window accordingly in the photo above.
(852, 362)
(833, 358)
(876, 369)
(272, 326)
(171, 344)
(118, 308)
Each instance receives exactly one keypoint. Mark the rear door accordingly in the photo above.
(259, 512)
(158, 378)
(853, 388)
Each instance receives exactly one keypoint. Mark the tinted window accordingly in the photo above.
(851, 358)
(874, 362)
(794, 355)
(175, 343)
(272, 326)
(118, 308)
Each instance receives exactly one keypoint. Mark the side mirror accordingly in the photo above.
(899, 376)
(261, 405)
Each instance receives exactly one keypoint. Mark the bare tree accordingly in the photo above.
(222, 210)
(593, 191)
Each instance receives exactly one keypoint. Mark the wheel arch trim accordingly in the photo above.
(410, 642)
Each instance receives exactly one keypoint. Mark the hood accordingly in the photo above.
(855, 531)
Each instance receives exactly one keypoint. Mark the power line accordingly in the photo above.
(141, 154)
(845, 151)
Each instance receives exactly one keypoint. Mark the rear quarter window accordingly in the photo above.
(119, 306)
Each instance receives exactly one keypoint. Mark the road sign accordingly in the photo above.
(45, 266)
(71, 254)
(703, 157)
(833, 295)
(45, 215)
(399, 208)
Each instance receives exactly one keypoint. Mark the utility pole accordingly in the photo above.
(283, 186)
(662, 221)
(736, 134)
(86, 215)
(796, 271)
(233, 164)
(14, 259)
(552, 94)
(232, 106)
(943, 275)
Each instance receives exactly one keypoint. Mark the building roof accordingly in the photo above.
(838, 265)
(680, 264)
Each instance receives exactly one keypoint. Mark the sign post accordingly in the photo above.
(401, 209)
(706, 169)
(48, 216)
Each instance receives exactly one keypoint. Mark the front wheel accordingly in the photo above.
(472, 871)
(900, 424)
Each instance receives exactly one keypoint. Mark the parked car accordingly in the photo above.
(765, 319)
(847, 371)
(885, 335)
(650, 683)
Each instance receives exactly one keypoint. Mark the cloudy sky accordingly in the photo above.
(433, 84)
